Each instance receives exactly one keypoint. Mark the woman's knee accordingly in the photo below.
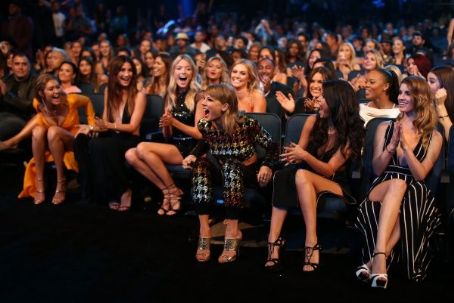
(53, 132)
(143, 149)
(38, 132)
(397, 185)
(131, 156)
(302, 177)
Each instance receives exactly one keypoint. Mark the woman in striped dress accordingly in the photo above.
(399, 216)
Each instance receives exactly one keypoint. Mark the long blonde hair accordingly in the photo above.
(172, 88)
(224, 74)
(225, 93)
(426, 119)
(253, 83)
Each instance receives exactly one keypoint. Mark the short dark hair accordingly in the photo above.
(17, 53)
(418, 33)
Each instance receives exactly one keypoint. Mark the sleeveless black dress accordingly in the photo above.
(111, 175)
(285, 194)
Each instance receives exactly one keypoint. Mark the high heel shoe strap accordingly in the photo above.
(231, 244)
(204, 243)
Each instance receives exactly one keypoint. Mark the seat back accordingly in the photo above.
(450, 155)
(368, 153)
(434, 178)
(151, 116)
(272, 124)
(294, 127)
(98, 106)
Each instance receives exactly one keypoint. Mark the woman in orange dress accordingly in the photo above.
(53, 130)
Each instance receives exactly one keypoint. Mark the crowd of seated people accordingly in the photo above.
(321, 75)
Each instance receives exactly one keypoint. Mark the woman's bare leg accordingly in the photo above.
(141, 166)
(39, 148)
(391, 193)
(24, 133)
(59, 140)
(308, 184)
(156, 155)
(278, 216)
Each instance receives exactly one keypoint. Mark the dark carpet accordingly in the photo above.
(82, 253)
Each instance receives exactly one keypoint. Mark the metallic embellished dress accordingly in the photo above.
(229, 151)
(182, 113)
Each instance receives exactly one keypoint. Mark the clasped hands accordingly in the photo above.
(399, 137)
(166, 119)
(293, 153)
(100, 126)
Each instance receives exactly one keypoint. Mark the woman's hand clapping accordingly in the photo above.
(166, 120)
(293, 154)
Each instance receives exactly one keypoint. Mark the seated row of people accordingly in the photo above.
(398, 218)
(336, 137)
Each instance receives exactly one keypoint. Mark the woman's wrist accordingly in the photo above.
(404, 147)
(390, 150)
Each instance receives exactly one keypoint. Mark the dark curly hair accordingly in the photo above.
(344, 114)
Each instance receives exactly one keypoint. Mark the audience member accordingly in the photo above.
(399, 216)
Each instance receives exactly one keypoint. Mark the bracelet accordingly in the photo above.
(441, 117)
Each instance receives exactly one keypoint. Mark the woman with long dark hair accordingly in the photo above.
(328, 141)
(118, 131)
(441, 83)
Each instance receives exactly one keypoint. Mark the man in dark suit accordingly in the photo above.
(275, 91)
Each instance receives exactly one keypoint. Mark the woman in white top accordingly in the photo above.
(382, 88)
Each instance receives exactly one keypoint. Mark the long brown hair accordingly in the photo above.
(426, 119)
(445, 75)
(225, 93)
(115, 90)
(153, 87)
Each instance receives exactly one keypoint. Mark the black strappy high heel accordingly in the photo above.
(275, 264)
(308, 252)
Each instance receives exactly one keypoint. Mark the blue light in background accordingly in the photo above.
(188, 7)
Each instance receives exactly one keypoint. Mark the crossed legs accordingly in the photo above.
(390, 193)
(149, 159)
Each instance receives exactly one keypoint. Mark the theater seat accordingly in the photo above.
(149, 129)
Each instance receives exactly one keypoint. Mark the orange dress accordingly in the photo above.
(69, 123)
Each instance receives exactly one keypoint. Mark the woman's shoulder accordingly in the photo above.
(257, 93)
(311, 119)
(436, 135)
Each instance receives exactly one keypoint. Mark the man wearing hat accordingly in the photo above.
(182, 46)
